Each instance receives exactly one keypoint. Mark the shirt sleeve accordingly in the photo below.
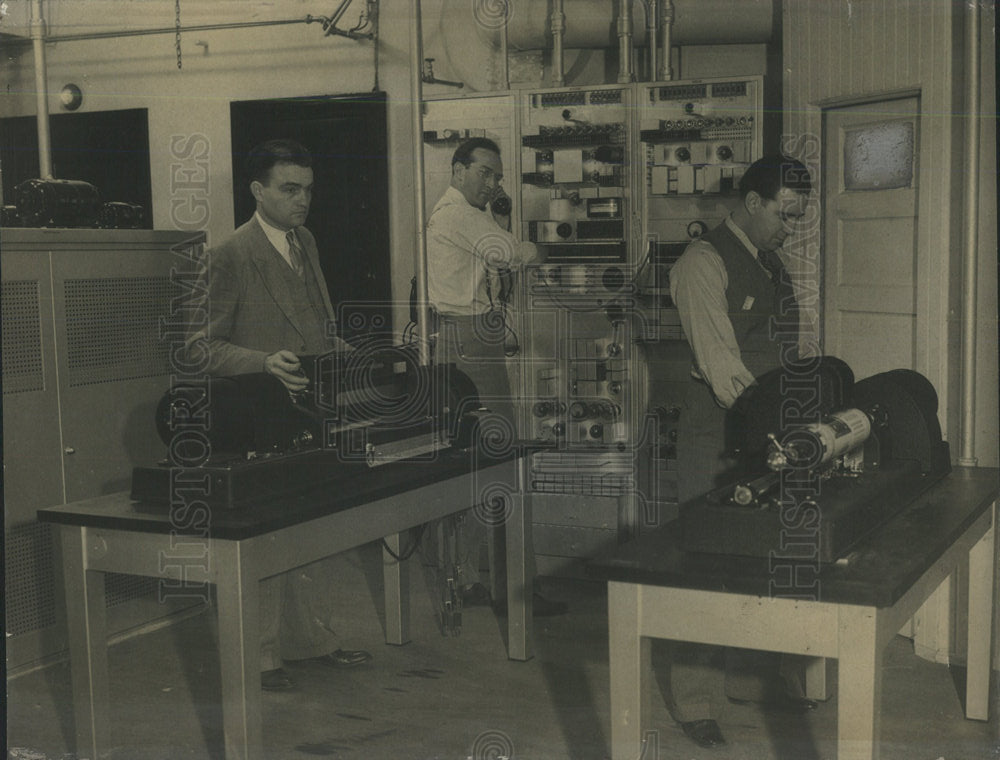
(478, 232)
(698, 286)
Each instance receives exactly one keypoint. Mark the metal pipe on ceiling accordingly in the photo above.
(625, 71)
(174, 29)
(558, 26)
(970, 318)
(420, 189)
(651, 27)
(666, 30)
(472, 43)
(329, 26)
(41, 91)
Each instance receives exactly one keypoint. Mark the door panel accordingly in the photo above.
(870, 243)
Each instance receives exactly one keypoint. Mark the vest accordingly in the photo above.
(763, 312)
(310, 311)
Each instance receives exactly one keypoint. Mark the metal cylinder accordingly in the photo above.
(667, 17)
(625, 43)
(558, 30)
(970, 274)
(821, 442)
(472, 37)
(419, 232)
(41, 91)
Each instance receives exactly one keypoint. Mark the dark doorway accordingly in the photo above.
(108, 149)
(350, 208)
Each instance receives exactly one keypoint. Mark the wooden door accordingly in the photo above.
(870, 239)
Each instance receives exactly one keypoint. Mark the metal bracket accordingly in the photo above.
(365, 29)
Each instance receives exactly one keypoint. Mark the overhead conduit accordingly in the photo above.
(472, 39)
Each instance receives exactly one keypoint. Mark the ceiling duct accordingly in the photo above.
(471, 32)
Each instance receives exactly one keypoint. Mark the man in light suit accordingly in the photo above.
(268, 305)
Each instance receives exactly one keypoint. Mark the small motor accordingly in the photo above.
(820, 442)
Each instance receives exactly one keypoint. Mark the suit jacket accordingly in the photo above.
(249, 306)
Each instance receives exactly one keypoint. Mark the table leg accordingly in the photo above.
(86, 621)
(238, 593)
(629, 665)
(977, 683)
(519, 584)
(859, 691)
(818, 678)
(396, 575)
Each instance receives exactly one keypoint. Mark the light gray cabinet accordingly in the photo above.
(83, 368)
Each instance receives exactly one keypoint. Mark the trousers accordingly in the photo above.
(696, 680)
(297, 614)
(475, 344)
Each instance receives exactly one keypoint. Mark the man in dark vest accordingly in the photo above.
(268, 305)
(740, 317)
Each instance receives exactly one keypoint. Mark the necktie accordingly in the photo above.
(295, 254)
(787, 305)
(770, 261)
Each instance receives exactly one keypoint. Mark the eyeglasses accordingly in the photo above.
(486, 173)
(789, 220)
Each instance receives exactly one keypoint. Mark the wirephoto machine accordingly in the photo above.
(825, 461)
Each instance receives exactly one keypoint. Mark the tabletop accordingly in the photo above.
(118, 511)
(877, 573)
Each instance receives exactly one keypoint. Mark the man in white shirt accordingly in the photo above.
(469, 249)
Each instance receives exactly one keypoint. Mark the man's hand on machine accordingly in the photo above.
(285, 366)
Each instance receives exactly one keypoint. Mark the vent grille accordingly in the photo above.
(601, 97)
(29, 591)
(20, 304)
(112, 328)
(552, 99)
(30, 581)
(683, 91)
(729, 89)
(119, 589)
(597, 473)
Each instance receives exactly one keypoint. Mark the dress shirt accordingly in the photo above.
(278, 239)
(698, 283)
(465, 245)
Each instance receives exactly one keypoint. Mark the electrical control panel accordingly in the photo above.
(697, 138)
(611, 183)
(576, 193)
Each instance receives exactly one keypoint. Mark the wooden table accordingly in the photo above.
(851, 613)
(235, 550)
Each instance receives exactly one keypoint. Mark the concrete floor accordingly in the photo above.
(456, 697)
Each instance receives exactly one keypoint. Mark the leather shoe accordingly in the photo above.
(705, 733)
(276, 680)
(540, 607)
(475, 595)
(784, 704)
(342, 658)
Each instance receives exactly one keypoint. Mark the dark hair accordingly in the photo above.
(263, 157)
(463, 153)
(767, 175)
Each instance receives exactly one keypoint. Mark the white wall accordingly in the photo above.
(846, 51)
(189, 107)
